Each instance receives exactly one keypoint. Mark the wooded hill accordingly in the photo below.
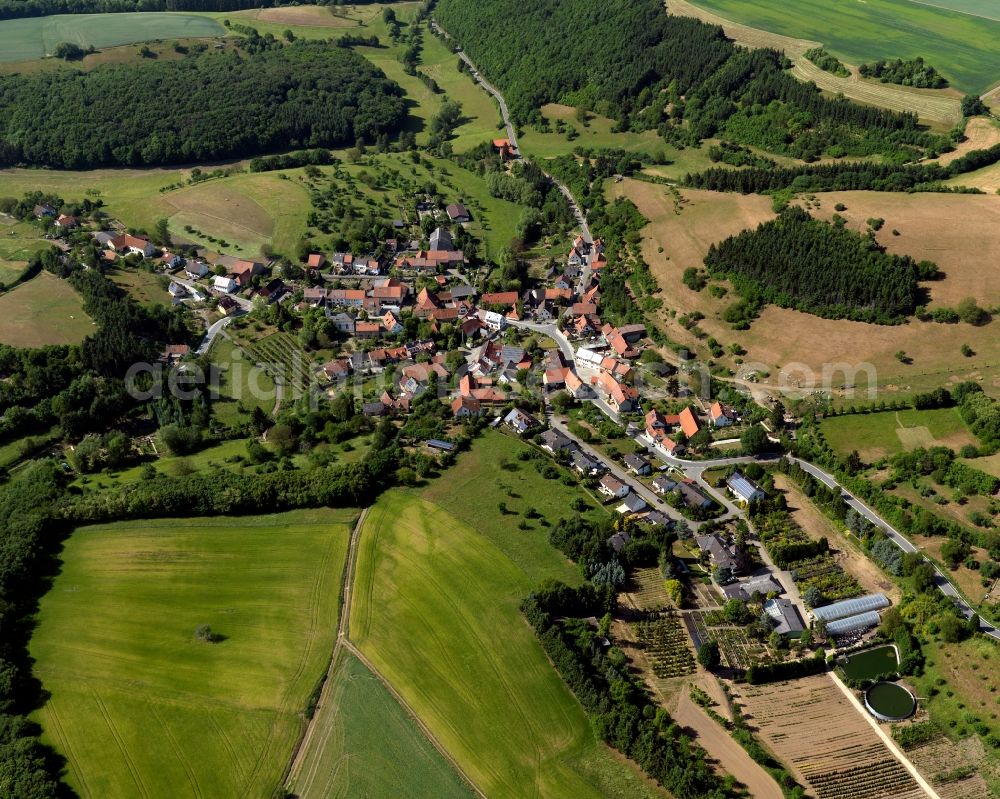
(682, 77)
(825, 269)
(203, 107)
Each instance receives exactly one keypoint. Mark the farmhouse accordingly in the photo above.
(744, 490)
(195, 269)
(506, 299)
(65, 222)
(621, 397)
(244, 271)
(132, 245)
(611, 486)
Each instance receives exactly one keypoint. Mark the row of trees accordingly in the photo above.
(205, 107)
(853, 176)
(799, 262)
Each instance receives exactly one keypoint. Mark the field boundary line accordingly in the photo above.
(295, 762)
(886, 739)
(350, 647)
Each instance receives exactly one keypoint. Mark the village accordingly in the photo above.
(539, 362)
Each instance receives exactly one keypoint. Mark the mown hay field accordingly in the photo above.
(45, 310)
(877, 435)
(943, 228)
(138, 704)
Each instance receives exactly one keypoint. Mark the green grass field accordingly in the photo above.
(138, 705)
(962, 47)
(476, 486)
(36, 37)
(245, 210)
(436, 609)
(977, 8)
(45, 310)
(596, 134)
(876, 435)
(145, 287)
(370, 747)
(18, 242)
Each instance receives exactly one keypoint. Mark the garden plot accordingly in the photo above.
(813, 727)
(666, 646)
(954, 769)
(647, 590)
(739, 649)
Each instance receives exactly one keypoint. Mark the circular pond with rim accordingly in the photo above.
(889, 702)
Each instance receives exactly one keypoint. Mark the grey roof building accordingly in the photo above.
(786, 615)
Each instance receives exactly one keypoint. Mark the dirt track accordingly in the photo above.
(730, 755)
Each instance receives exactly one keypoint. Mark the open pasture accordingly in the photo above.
(598, 133)
(937, 227)
(962, 47)
(810, 725)
(436, 610)
(877, 435)
(37, 37)
(45, 310)
(244, 210)
(366, 745)
(140, 706)
(18, 242)
(492, 473)
(934, 106)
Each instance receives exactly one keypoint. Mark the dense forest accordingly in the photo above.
(916, 73)
(682, 77)
(799, 262)
(206, 107)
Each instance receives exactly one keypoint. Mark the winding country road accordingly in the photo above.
(696, 468)
(477, 76)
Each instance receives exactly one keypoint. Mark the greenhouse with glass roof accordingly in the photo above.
(853, 624)
(851, 607)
